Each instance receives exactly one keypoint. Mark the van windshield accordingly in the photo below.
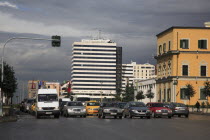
(47, 97)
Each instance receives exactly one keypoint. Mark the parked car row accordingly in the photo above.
(115, 109)
(26, 105)
(126, 110)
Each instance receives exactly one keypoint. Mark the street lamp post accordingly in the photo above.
(2, 63)
(101, 90)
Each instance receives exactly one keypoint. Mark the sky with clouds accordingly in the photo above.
(132, 24)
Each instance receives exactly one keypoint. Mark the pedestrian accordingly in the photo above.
(197, 105)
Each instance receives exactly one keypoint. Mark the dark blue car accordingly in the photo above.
(136, 109)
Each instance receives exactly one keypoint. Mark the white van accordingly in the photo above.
(47, 103)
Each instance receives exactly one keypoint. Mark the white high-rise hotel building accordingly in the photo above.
(131, 73)
(96, 68)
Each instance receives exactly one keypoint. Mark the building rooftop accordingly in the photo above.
(97, 41)
(179, 27)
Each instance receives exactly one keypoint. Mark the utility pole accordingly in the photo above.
(56, 41)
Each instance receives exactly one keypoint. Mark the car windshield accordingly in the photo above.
(180, 105)
(93, 104)
(158, 105)
(110, 105)
(47, 97)
(83, 99)
(121, 105)
(63, 103)
(30, 101)
(137, 104)
(75, 104)
(167, 105)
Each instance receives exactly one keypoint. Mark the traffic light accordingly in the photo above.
(56, 41)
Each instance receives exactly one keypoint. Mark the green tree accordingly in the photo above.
(203, 106)
(140, 95)
(129, 93)
(189, 91)
(9, 85)
(117, 95)
(206, 92)
(150, 94)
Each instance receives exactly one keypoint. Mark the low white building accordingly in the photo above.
(145, 85)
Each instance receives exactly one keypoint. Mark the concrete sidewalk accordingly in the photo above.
(200, 113)
(8, 119)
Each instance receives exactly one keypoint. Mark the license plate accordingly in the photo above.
(48, 112)
(141, 113)
(164, 113)
(113, 113)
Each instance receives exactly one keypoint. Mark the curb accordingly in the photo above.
(200, 113)
(8, 119)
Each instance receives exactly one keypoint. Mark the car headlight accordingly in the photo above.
(120, 110)
(106, 110)
(89, 108)
(84, 110)
(70, 109)
(56, 107)
(158, 110)
(134, 110)
(169, 111)
(148, 111)
(39, 108)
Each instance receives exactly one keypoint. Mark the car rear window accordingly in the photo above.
(157, 105)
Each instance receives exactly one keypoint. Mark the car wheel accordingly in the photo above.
(66, 115)
(103, 116)
(84, 116)
(115, 117)
(148, 117)
(130, 116)
(99, 116)
(187, 115)
(124, 115)
(56, 116)
(37, 116)
(169, 117)
(153, 115)
(120, 117)
(141, 117)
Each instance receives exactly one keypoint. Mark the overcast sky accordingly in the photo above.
(132, 24)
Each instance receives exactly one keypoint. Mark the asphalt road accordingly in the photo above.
(197, 127)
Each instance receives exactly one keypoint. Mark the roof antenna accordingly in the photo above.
(99, 34)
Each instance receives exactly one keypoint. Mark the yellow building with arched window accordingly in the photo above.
(183, 57)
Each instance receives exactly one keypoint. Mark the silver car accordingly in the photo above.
(74, 109)
(178, 109)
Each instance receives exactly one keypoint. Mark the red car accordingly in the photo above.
(159, 110)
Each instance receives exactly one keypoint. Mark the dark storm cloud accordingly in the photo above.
(133, 24)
